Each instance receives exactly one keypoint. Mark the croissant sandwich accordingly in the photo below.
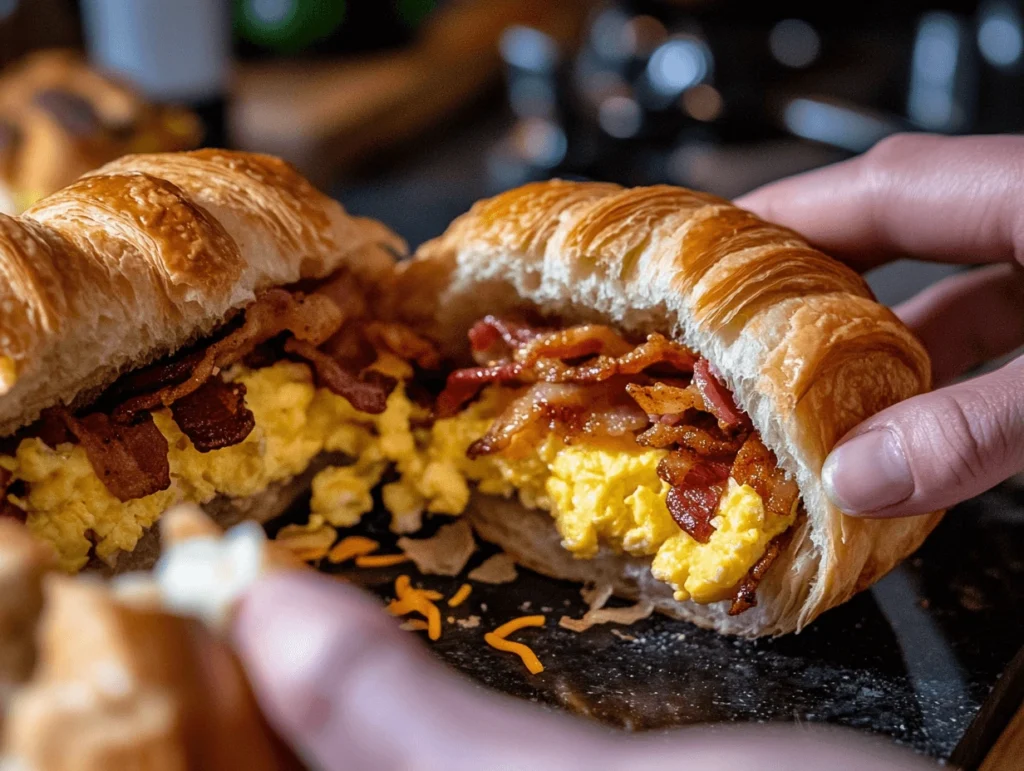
(647, 384)
(181, 328)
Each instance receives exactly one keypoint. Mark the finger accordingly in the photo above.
(954, 199)
(338, 679)
(968, 319)
(933, 450)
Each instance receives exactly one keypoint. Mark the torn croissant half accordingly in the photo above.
(651, 379)
(98, 675)
(176, 328)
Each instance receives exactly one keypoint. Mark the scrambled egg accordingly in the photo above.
(598, 496)
(68, 505)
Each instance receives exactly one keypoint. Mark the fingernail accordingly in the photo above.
(868, 473)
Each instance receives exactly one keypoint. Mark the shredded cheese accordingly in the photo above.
(460, 596)
(410, 600)
(496, 640)
(353, 546)
(380, 560)
(519, 623)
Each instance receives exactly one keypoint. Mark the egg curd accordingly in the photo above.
(598, 495)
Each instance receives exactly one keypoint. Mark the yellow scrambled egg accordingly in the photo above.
(598, 496)
(67, 504)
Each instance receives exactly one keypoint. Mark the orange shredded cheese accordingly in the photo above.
(519, 623)
(496, 640)
(410, 600)
(460, 596)
(380, 560)
(353, 546)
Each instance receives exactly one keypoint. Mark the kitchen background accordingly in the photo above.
(409, 110)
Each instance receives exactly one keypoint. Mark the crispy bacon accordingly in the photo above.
(693, 508)
(130, 460)
(464, 384)
(717, 397)
(214, 415)
(570, 410)
(706, 442)
(403, 342)
(745, 597)
(686, 468)
(367, 393)
(755, 465)
(311, 319)
(490, 329)
(573, 343)
(663, 400)
(657, 349)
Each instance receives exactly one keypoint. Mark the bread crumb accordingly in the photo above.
(499, 569)
(443, 554)
(470, 622)
(623, 635)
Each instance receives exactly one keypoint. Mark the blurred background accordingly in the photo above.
(409, 110)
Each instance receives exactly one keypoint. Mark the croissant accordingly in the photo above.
(122, 680)
(59, 119)
(128, 302)
(794, 337)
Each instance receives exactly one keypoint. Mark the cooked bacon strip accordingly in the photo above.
(486, 332)
(756, 465)
(657, 349)
(367, 393)
(700, 440)
(686, 468)
(697, 487)
(693, 508)
(130, 460)
(214, 415)
(311, 319)
(745, 597)
(664, 400)
(572, 343)
(570, 410)
(717, 397)
(464, 384)
(403, 342)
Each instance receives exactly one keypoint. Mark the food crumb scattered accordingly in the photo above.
(483, 606)
(623, 635)
(443, 554)
(470, 622)
(499, 569)
(525, 606)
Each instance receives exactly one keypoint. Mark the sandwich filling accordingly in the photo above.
(633, 446)
(251, 406)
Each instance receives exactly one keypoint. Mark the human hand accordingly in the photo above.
(338, 679)
(955, 200)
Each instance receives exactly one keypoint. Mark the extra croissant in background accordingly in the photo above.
(658, 378)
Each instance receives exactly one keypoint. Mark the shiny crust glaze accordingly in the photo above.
(151, 253)
(797, 336)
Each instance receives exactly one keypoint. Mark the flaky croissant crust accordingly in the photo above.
(798, 337)
(150, 253)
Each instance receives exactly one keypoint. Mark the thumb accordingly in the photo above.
(933, 450)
